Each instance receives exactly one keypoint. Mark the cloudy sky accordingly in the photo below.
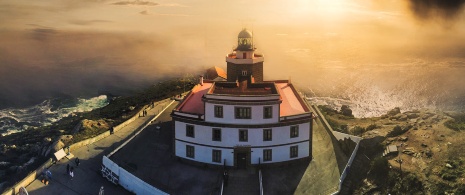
(87, 47)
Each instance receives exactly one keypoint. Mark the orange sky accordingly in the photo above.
(318, 43)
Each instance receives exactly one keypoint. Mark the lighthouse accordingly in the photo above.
(244, 63)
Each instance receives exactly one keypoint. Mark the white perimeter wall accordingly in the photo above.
(230, 138)
(129, 181)
(230, 118)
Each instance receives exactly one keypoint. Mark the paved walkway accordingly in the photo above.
(244, 182)
(87, 177)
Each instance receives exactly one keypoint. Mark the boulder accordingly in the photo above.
(403, 138)
(394, 111)
(428, 153)
(409, 151)
(412, 115)
(58, 145)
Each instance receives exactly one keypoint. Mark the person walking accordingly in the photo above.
(77, 162)
(71, 173)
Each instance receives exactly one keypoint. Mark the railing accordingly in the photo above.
(260, 179)
(352, 156)
(222, 181)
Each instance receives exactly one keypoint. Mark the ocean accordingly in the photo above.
(13, 120)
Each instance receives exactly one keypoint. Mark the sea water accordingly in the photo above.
(13, 120)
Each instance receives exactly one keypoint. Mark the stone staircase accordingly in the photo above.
(358, 170)
(243, 182)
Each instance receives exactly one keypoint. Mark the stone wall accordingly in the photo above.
(235, 70)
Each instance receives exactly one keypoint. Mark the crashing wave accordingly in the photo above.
(13, 120)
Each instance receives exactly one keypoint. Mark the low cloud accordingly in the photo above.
(88, 22)
(446, 9)
(42, 63)
(136, 2)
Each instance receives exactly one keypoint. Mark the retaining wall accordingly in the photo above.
(36, 173)
(340, 136)
(28, 179)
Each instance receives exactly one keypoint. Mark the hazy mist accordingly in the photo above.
(404, 53)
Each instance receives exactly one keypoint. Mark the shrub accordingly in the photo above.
(371, 127)
(397, 130)
(357, 130)
(379, 169)
(346, 111)
(451, 174)
(457, 123)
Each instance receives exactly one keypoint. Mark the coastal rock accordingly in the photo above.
(428, 153)
(47, 140)
(412, 115)
(409, 151)
(394, 111)
(58, 145)
(403, 139)
(65, 138)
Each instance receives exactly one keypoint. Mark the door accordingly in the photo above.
(241, 160)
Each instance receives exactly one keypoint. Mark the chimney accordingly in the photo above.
(201, 80)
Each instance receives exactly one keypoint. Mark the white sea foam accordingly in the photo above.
(13, 120)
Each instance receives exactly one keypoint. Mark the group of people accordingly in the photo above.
(144, 112)
(70, 169)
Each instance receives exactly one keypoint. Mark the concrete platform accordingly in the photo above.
(149, 157)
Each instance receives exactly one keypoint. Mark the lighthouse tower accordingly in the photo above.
(243, 63)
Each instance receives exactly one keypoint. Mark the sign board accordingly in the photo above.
(23, 191)
(60, 154)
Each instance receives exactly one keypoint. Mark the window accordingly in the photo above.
(267, 135)
(216, 156)
(190, 131)
(267, 112)
(243, 135)
(219, 111)
(216, 134)
(243, 112)
(294, 131)
(190, 152)
(244, 72)
(267, 155)
(294, 151)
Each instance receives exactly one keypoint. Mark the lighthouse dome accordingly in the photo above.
(244, 34)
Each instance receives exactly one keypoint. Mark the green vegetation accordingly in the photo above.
(452, 170)
(457, 123)
(379, 170)
(346, 111)
(335, 125)
(372, 127)
(398, 130)
(407, 184)
(357, 130)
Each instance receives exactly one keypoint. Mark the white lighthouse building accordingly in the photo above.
(245, 120)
